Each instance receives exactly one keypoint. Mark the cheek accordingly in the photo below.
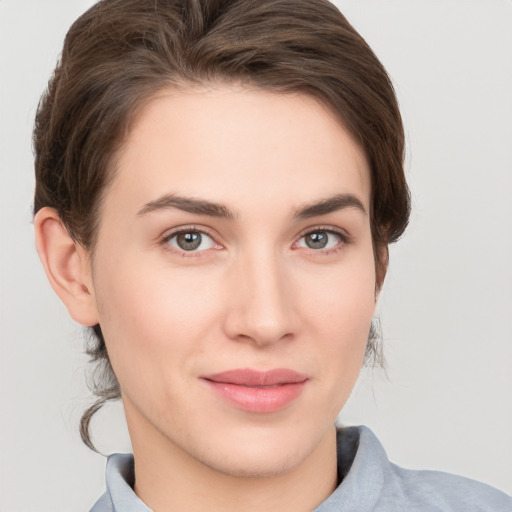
(346, 324)
(343, 298)
(339, 319)
(152, 314)
(157, 316)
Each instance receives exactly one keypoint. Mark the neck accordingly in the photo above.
(168, 478)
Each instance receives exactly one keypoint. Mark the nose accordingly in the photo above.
(262, 307)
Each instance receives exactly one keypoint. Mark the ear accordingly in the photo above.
(67, 266)
(381, 267)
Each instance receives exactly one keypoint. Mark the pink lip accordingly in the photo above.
(257, 391)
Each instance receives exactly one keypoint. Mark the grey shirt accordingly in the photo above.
(370, 482)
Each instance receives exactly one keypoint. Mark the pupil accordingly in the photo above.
(189, 241)
(316, 240)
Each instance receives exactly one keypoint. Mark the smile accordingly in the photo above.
(256, 391)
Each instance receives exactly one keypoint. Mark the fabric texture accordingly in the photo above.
(370, 483)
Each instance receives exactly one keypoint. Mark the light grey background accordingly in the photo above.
(446, 308)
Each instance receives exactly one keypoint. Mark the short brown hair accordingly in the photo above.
(121, 52)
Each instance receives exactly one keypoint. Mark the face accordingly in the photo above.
(234, 276)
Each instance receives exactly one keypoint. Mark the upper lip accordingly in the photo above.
(251, 378)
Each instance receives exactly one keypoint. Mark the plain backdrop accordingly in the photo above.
(446, 309)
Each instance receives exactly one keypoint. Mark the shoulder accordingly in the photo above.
(370, 482)
(447, 492)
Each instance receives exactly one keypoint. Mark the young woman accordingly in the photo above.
(217, 184)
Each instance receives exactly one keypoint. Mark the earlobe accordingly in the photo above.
(66, 265)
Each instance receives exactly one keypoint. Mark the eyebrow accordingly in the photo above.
(330, 205)
(212, 209)
(198, 206)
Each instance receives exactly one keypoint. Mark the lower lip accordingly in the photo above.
(258, 399)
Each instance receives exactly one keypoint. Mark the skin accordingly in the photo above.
(253, 295)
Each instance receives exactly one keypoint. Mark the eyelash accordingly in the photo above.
(343, 236)
(189, 229)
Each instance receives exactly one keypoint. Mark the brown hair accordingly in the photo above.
(121, 52)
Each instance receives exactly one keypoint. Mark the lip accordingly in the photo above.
(258, 391)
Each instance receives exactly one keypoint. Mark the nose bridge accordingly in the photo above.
(263, 308)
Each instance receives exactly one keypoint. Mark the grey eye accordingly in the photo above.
(317, 240)
(320, 239)
(191, 241)
(188, 241)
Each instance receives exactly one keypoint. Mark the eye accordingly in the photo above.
(190, 241)
(320, 239)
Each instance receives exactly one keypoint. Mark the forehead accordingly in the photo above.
(233, 145)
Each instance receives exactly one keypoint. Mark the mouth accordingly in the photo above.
(257, 391)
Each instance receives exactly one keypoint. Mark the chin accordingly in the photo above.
(258, 452)
(264, 464)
